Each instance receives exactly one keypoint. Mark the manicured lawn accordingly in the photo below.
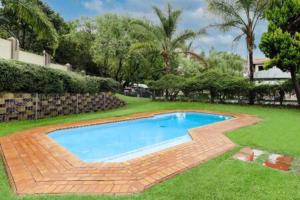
(221, 178)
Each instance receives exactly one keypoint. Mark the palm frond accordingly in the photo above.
(182, 38)
(198, 57)
(168, 21)
(144, 47)
(146, 31)
(225, 26)
(32, 14)
(173, 19)
(228, 10)
(162, 18)
(239, 37)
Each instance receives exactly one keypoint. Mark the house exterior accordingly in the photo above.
(268, 76)
(271, 76)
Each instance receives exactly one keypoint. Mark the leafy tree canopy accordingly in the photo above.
(33, 22)
(164, 39)
(282, 41)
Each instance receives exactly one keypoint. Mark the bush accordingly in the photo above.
(217, 86)
(170, 83)
(21, 77)
(220, 85)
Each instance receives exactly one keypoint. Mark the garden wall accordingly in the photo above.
(10, 50)
(19, 106)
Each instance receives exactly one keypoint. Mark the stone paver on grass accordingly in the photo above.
(38, 165)
(271, 160)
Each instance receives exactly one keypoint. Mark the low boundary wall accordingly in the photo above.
(20, 106)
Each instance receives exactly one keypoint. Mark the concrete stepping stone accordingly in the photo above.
(257, 153)
(279, 162)
(274, 161)
(246, 154)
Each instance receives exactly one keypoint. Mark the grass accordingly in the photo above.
(221, 178)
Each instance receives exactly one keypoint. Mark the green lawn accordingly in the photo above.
(221, 178)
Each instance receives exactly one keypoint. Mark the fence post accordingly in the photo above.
(36, 105)
(15, 48)
(47, 58)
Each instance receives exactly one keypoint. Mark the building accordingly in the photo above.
(270, 76)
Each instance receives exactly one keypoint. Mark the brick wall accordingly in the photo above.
(18, 106)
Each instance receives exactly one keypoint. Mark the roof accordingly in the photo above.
(258, 61)
(140, 85)
(273, 73)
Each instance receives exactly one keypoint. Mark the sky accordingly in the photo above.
(195, 16)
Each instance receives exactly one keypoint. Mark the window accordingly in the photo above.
(260, 68)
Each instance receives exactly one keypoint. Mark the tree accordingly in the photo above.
(173, 83)
(75, 47)
(282, 41)
(164, 38)
(112, 43)
(243, 15)
(189, 67)
(225, 62)
(21, 14)
(111, 50)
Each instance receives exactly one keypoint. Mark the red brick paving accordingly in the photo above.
(281, 163)
(37, 165)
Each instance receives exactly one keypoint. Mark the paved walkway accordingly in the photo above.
(37, 165)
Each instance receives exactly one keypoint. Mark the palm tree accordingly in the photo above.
(243, 15)
(164, 38)
(28, 12)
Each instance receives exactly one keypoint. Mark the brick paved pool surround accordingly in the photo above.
(36, 164)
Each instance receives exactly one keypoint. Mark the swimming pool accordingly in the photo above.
(126, 140)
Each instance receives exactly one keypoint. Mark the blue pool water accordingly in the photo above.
(121, 141)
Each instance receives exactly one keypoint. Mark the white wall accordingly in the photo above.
(31, 58)
(5, 49)
(6, 53)
(57, 66)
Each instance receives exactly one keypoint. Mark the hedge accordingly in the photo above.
(22, 77)
(219, 86)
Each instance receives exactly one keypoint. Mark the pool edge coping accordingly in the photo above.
(50, 128)
(189, 132)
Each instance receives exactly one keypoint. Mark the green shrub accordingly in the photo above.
(169, 83)
(217, 86)
(21, 77)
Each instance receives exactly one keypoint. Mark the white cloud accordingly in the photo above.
(226, 39)
(195, 16)
(94, 5)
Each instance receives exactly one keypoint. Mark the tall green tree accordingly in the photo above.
(225, 62)
(75, 46)
(165, 38)
(243, 15)
(282, 41)
(111, 50)
(27, 14)
(112, 44)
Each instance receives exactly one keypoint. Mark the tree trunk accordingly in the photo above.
(167, 95)
(282, 95)
(167, 63)
(153, 95)
(251, 77)
(212, 96)
(296, 84)
(120, 65)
